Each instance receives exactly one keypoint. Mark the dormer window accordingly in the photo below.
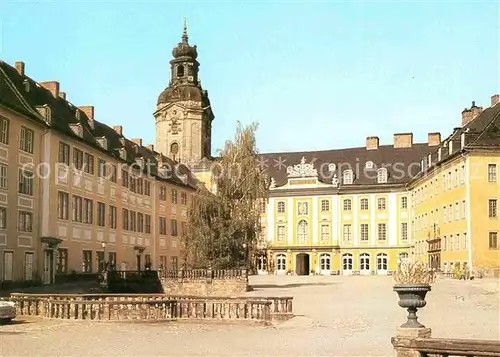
(348, 177)
(369, 165)
(382, 175)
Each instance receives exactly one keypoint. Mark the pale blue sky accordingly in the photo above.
(315, 75)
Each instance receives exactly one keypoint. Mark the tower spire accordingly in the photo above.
(185, 32)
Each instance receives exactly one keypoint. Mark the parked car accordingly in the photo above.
(7, 311)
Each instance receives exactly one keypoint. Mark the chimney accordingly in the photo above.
(137, 141)
(372, 143)
(403, 140)
(434, 139)
(118, 129)
(88, 110)
(151, 147)
(62, 95)
(495, 99)
(20, 67)
(469, 115)
(52, 86)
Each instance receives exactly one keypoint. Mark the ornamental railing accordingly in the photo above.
(441, 347)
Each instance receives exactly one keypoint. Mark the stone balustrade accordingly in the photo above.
(111, 307)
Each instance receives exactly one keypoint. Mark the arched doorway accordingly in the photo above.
(382, 263)
(347, 264)
(325, 263)
(281, 263)
(364, 263)
(302, 264)
(261, 263)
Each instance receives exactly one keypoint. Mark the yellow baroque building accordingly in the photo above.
(361, 210)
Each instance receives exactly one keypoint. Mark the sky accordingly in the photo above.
(314, 75)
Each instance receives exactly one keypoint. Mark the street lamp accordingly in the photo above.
(104, 273)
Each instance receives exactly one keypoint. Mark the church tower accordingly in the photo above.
(183, 113)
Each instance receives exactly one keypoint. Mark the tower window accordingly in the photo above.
(174, 150)
(180, 71)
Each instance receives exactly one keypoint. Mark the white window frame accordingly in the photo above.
(494, 177)
(281, 227)
(281, 207)
(348, 177)
(8, 269)
(382, 175)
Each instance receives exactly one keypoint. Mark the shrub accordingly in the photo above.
(413, 272)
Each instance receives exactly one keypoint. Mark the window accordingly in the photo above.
(163, 193)
(125, 224)
(112, 217)
(132, 221)
(162, 223)
(113, 174)
(174, 263)
(348, 177)
(347, 232)
(404, 231)
(347, 262)
(101, 261)
(381, 203)
(325, 205)
(492, 173)
(62, 261)
(101, 214)
(492, 208)
(364, 231)
(382, 262)
(180, 70)
(325, 232)
(63, 153)
(457, 211)
(281, 262)
(89, 164)
(445, 214)
(465, 241)
(281, 207)
(25, 221)
(325, 261)
(88, 210)
(450, 213)
(62, 205)
(183, 198)
(462, 175)
(26, 139)
(87, 261)
(445, 244)
(140, 222)
(26, 182)
(493, 240)
(131, 181)
(3, 176)
(281, 233)
(455, 178)
(382, 231)
(101, 169)
(147, 188)
(450, 242)
(174, 196)
(112, 260)
(147, 224)
(124, 178)
(28, 266)
(364, 261)
(77, 209)
(77, 158)
(163, 262)
(4, 131)
(464, 209)
(8, 266)
(364, 204)
(404, 202)
(347, 204)
(3, 218)
(173, 224)
(457, 242)
(382, 175)
(140, 186)
(302, 232)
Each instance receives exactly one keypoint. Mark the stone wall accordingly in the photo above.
(204, 282)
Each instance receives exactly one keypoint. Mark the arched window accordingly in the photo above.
(180, 70)
(325, 261)
(382, 262)
(302, 232)
(347, 262)
(174, 150)
(281, 262)
(348, 177)
(382, 175)
(364, 262)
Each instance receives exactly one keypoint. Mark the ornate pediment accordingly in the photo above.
(302, 170)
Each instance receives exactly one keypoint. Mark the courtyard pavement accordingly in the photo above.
(335, 316)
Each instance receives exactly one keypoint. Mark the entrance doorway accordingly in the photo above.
(138, 262)
(48, 266)
(302, 264)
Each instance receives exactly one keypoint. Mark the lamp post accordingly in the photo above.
(246, 255)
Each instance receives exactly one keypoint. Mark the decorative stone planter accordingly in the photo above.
(412, 297)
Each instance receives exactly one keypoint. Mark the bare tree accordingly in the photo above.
(223, 226)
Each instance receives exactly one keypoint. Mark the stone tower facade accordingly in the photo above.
(183, 113)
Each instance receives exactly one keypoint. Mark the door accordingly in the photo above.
(382, 263)
(48, 266)
(302, 264)
(325, 262)
(28, 266)
(364, 264)
(347, 264)
(281, 264)
(138, 262)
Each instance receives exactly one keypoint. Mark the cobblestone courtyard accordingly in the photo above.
(342, 316)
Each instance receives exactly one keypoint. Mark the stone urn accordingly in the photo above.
(412, 297)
